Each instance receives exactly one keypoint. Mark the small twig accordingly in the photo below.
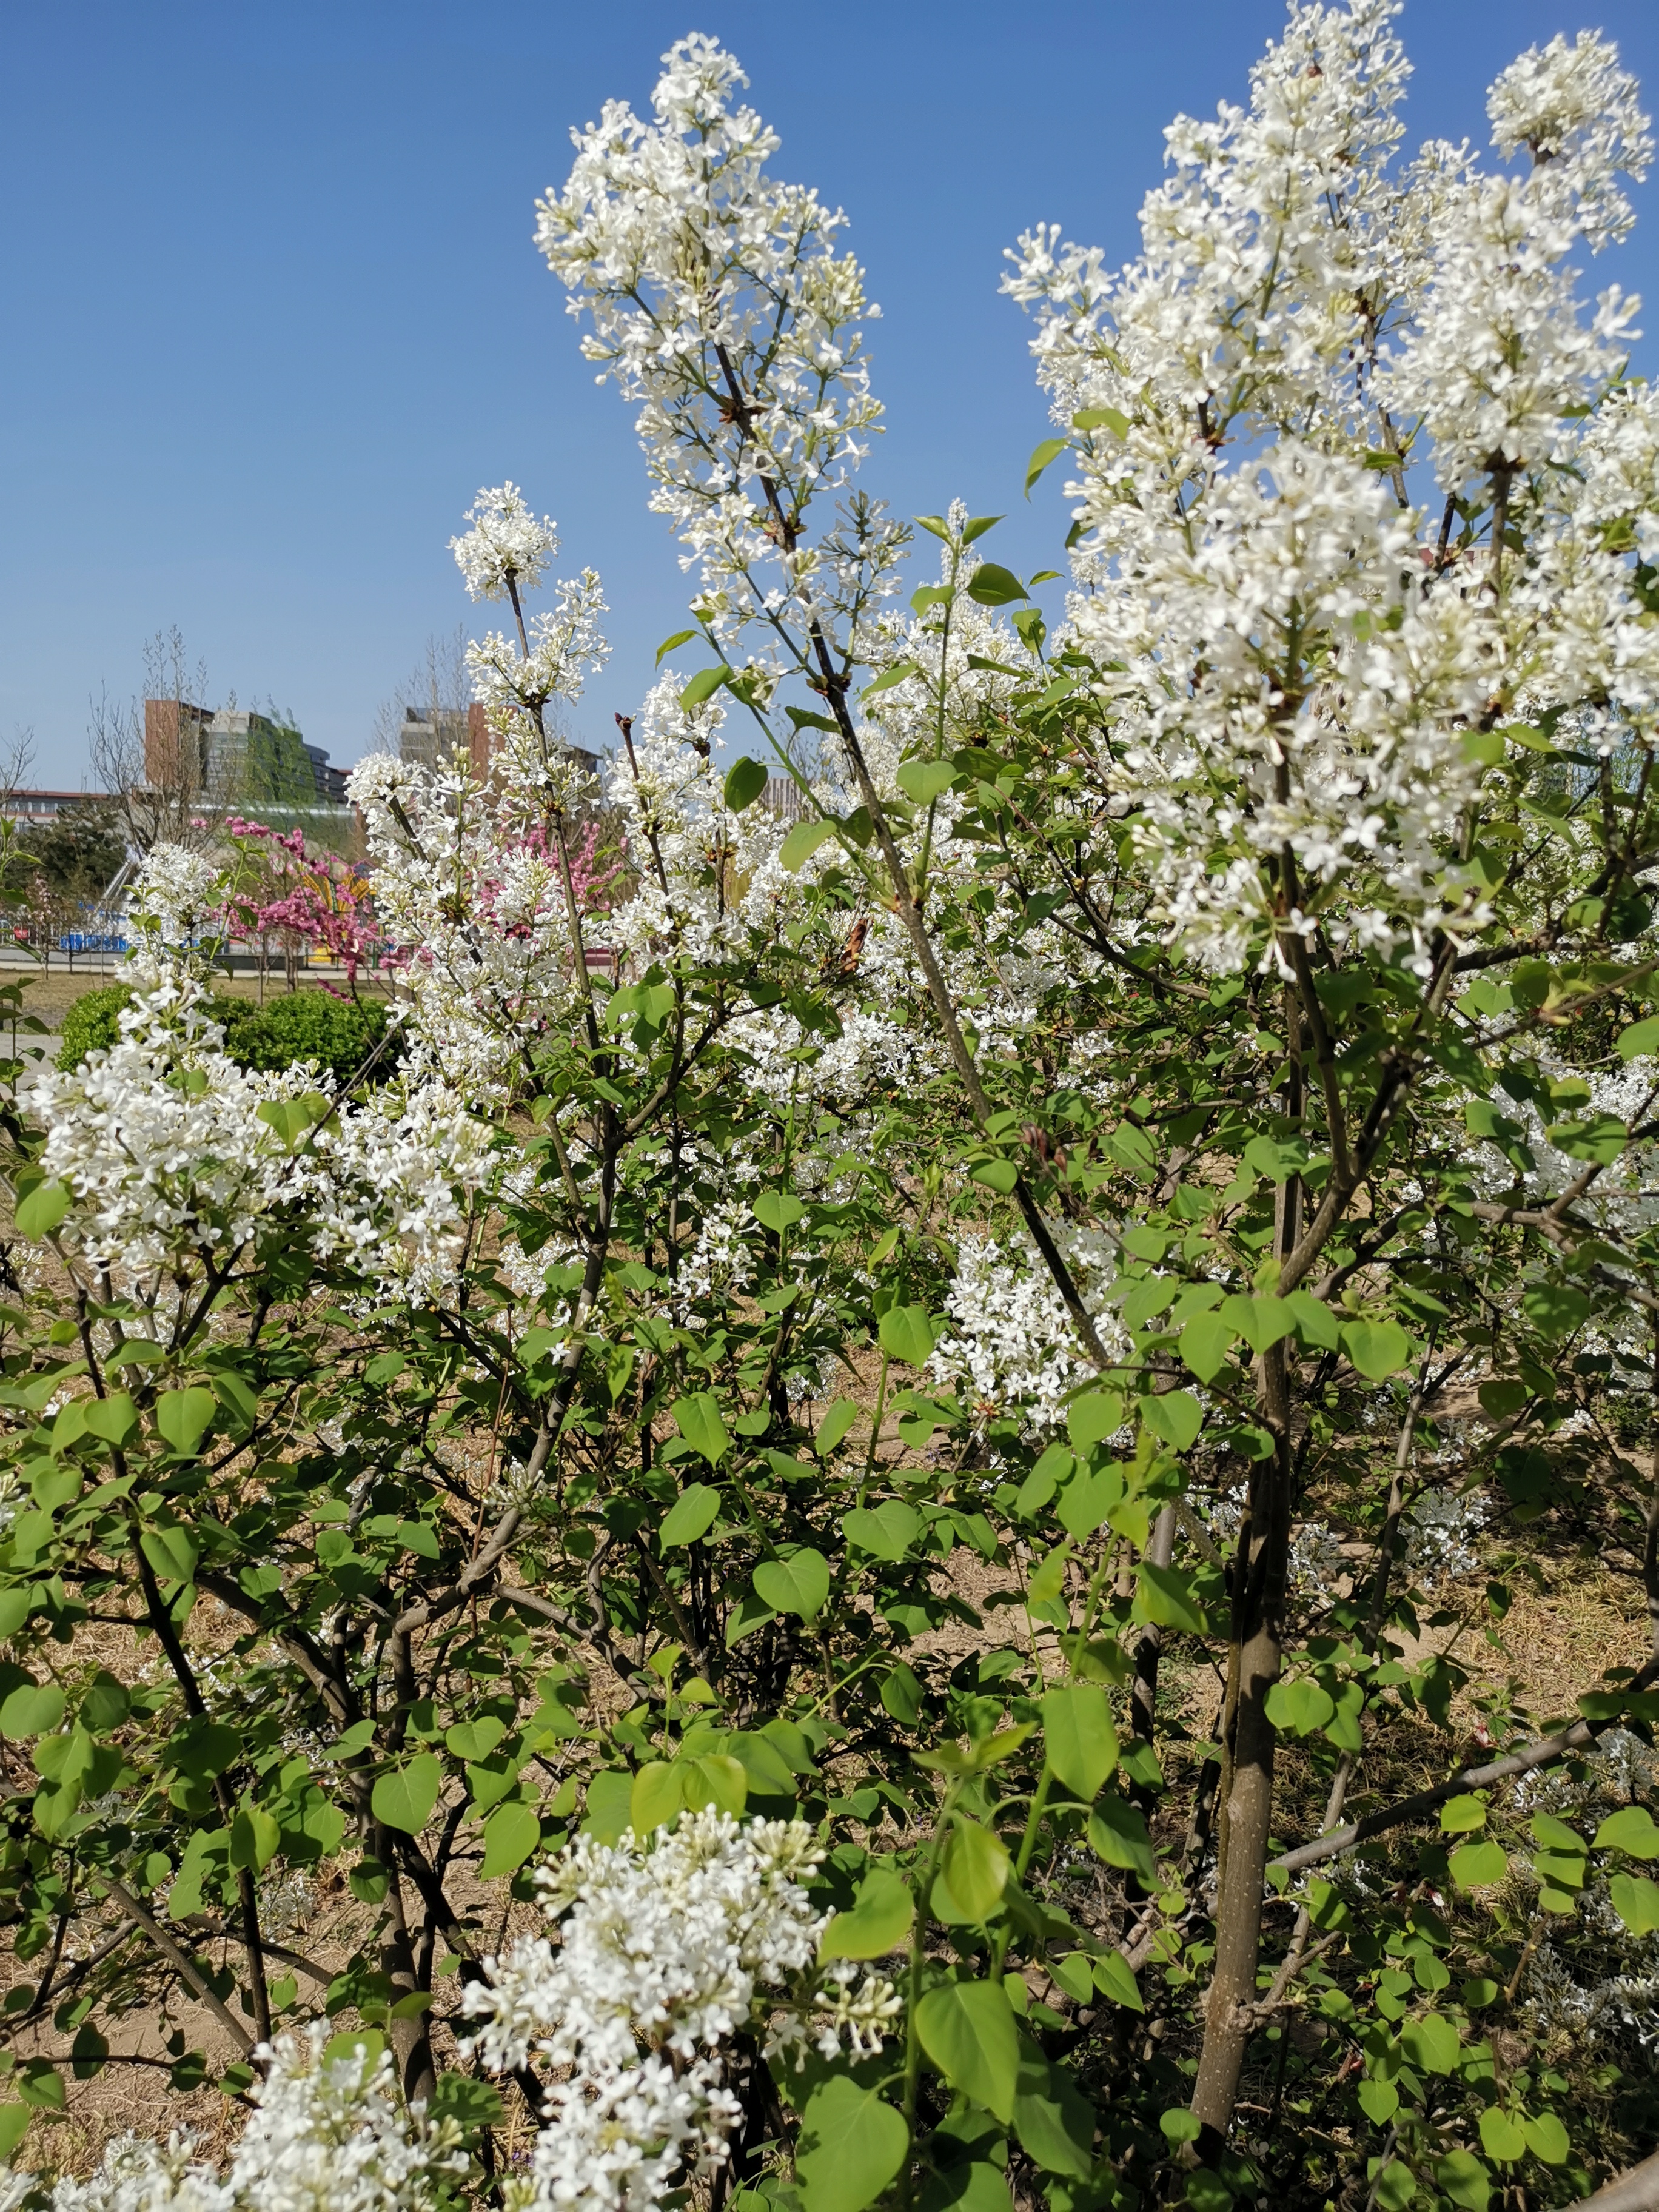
(1544, 1752)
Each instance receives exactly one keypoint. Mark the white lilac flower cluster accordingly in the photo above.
(664, 1955)
(1012, 1347)
(1300, 653)
(721, 309)
(1317, 1563)
(1441, 1526)
(172, 1153)
(180, 898)
(506, 547)
(329, 2134)
(567, 646)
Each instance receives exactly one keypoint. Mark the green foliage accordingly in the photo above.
(339, 1034)
(76, 854)
(93, 1024)
(683, 1492)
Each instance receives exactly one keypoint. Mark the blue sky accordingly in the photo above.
(273, 312)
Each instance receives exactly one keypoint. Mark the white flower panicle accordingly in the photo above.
(664, 1955)
(136, 2175)
(1010, 1348)
(507, 549)
(170, 1153)
(1576, 113)
(1297, 651)
(332, 2135)
(567, 646)
(466, 880)
(178, 897)
(327, 2134)
(721, 309)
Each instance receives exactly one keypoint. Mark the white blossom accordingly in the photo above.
(1293, 655)
(507, 549)
(1575, 110)
(1010, 1348)
(566, 645)
(722, 311)
(327, 2134)
(664, 1954)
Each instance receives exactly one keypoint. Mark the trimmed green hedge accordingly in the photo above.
(92, 1022)
(338, 1033)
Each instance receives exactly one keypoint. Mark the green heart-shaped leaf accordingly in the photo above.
(1377, 1347)
(1175, 1416)
(882, 1914)
(1115, 1979)
(802, 842)
(404, 1798)
(1501, 2136)
(697, 1417)
(1079, 1738)
(692, 1514)
(1093, 1417)
(511, 1834)
(1164, 1596)
(255, 1835)
(714, 1778)
(182, 1417)
(1635, 1898)
(475, 1739)
(852, 2146)
(885, 1531)
(923, 781)
(31, 1710)
(907, 1334)
(798, 1583)
(1631, 1830)
(1300, 1706)
(777, 1210)
(1477, 1866)
(745, 779)
(976, 1867)
(1117, 1833)
(1205, 1340)
(1431, 2043)
(39, 1212)
(115, 1418)
(1462, 1815)
(967, 2029)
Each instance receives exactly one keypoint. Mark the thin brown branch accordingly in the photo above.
(179, 1960)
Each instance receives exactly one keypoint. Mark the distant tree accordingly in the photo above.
(439, 686)
(77, 853)
(157, 800)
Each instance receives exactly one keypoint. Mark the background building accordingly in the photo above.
(236, 759)
(27, 806)
(430, 734)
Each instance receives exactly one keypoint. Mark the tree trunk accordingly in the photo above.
(411, 2039)
(1261, 1575)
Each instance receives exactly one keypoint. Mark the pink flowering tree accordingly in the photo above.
(303, 898)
